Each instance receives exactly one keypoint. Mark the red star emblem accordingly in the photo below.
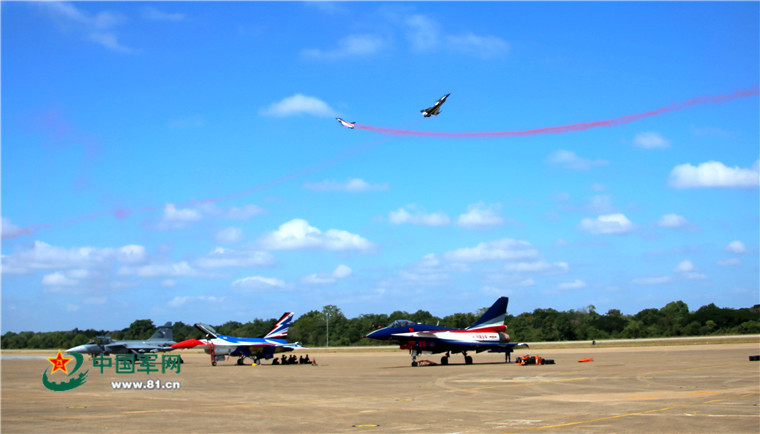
(59, 362)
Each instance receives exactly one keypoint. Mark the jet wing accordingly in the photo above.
(117, 348)
(422, 334)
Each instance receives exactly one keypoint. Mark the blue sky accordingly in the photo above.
(181, 161)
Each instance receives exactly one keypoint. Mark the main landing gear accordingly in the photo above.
(444, 359)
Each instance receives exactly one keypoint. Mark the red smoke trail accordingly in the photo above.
(567, 128)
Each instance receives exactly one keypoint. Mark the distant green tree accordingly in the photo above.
(139, 329)
(182, 332)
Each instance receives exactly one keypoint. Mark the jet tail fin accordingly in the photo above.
(163, 333)
(280, 329)
(494, 316)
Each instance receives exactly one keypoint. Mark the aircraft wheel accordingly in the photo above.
(414, 363)
(444, 360)
(240, 361)
(213, 363)
(468, 360)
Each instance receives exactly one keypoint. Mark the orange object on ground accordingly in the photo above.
(585, 360)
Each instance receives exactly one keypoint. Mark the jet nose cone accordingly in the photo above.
(377, 334)
(190, 343)
(77, 349)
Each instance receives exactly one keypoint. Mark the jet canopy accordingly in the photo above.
(207, 329)
(102, 340)
(402, 323)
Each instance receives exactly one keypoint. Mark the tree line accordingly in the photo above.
(541, 325)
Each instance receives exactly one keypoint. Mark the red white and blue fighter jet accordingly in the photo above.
(346, 124)
(220, 346)
(435, 109)
(487, 334)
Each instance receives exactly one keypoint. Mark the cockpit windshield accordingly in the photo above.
(207, 329)
(402, 323)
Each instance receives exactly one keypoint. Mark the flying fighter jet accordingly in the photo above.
(436, 108)
(346, 124)
(219, 346)
(487, 334)
(159, 342)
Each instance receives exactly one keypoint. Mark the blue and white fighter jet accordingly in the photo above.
(220, 346)
(487, 334)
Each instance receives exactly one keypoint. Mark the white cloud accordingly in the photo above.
(45, 256)
(161, 270)
(479, 215)
(58, 279)
(299, 104)
(569, 160)
(258, 282)
(229, 235)
(658, 280)
(673, 221)
(9, 230)
(361, 45)
(538, 267)
(503, 249)
(729, 262)
(607, 224)
(422, 33)
(223, 258)
(575, 284)
(151, 13)
(650, 140)
(298, 234)
(485, 47)
(418, 218)
(131, 254)
(174, 217)
(736, 247)
(687, 270)
(110, 41)
(243, 213)
(318, 279)
(714, 174)
(353, 185)
(98, 28)
(684, 267)
(178, 301)
(342, 271)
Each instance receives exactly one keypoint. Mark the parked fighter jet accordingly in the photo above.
(487, 334)
(159, 342)
(220, 346)
(436, 108)
(346, 124)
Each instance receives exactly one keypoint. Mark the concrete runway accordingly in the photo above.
(694, 388)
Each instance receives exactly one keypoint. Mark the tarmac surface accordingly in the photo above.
(693, 388)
